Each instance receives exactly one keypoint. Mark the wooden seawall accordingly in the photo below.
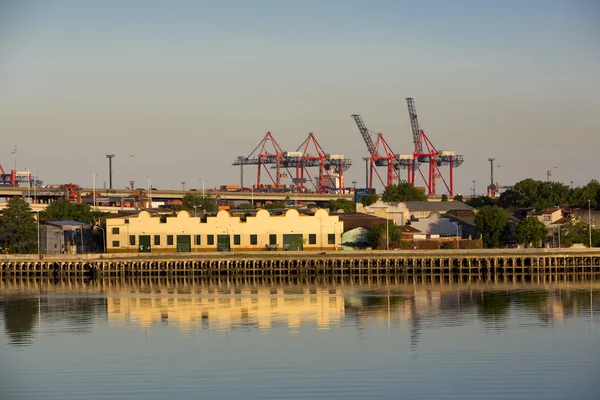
(528, 261)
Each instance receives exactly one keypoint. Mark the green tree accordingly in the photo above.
(511, 199)
(528, 188)
(531, 231)
(459, 197)
(369, 199)
(207, 204)
(377, 237)
(18, 230)
(492, 224)
(274, 205)
(402, 192)
(444, 197)
(64, 210)
(341, 204)
(479, 201)
(577, 232)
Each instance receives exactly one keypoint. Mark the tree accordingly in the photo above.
(377, 237)
(369, 199)
(531, 231)
(444, 197)
(202, 203)
(511, 199)
(342, 204)
(403, 191)
(18, 230)
(492, 224)
(480, 201)
(459, 197)
(64, 210)
(578, 232)
(274, 205)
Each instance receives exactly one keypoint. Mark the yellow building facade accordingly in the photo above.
(183, 233)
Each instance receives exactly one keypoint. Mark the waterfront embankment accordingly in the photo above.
(334, 263)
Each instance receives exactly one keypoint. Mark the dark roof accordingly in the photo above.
(358, 220)
(408, 229)
(65, 223)
(439, 206)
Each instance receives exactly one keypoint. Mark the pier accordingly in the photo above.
(288, 264)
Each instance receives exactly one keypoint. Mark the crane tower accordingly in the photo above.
(426, 153)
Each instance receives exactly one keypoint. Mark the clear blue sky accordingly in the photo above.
(186, 86)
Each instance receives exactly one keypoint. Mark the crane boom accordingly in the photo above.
(365, 134)
(414, 124)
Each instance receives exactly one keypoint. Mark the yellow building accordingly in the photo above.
(145, 232)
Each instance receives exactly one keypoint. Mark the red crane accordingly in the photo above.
(426, 153)
(311, 154)
(382, 155)
(266, 153)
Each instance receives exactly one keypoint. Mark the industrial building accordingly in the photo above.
(260, 231)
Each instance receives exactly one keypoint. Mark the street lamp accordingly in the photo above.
(203, 182)
(387, 229)
(183, 185)
(366, 160)
(103, 240)
(38, 232)
(590, 220)
(200, 205)
(94, 186)
(474, 188)
(149, 189)
(549, 174)
(455, 224)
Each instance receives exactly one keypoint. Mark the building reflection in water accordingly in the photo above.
(74, 306)
(261, 308)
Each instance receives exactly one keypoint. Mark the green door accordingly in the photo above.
(223, 243)
(293, 241)
(184, 243)
(144, 244)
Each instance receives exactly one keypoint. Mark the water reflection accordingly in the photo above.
(75, 306)
(20, 319)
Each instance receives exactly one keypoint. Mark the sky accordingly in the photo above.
(187, 86)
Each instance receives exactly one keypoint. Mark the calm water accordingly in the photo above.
(178, 339)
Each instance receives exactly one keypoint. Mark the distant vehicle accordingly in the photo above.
(153, 188)
(193, 190)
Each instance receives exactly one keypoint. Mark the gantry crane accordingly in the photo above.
(381, 154)
(426, 153)
(263, 156)
(311, 154)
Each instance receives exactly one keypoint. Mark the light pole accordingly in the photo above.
(203, 182)
(38, 233)
(455, 224)
(474, 188)
(183, 185)
(103, 242)
(131, 179)
(571, 185)
(549, 174)
(110, 157)
(94, 186)
(590, 220)
(149, 189)
(366, 160)
(387, 229)
(35, 187)
(200, 205)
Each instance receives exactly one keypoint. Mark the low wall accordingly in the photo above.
(333, 263)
